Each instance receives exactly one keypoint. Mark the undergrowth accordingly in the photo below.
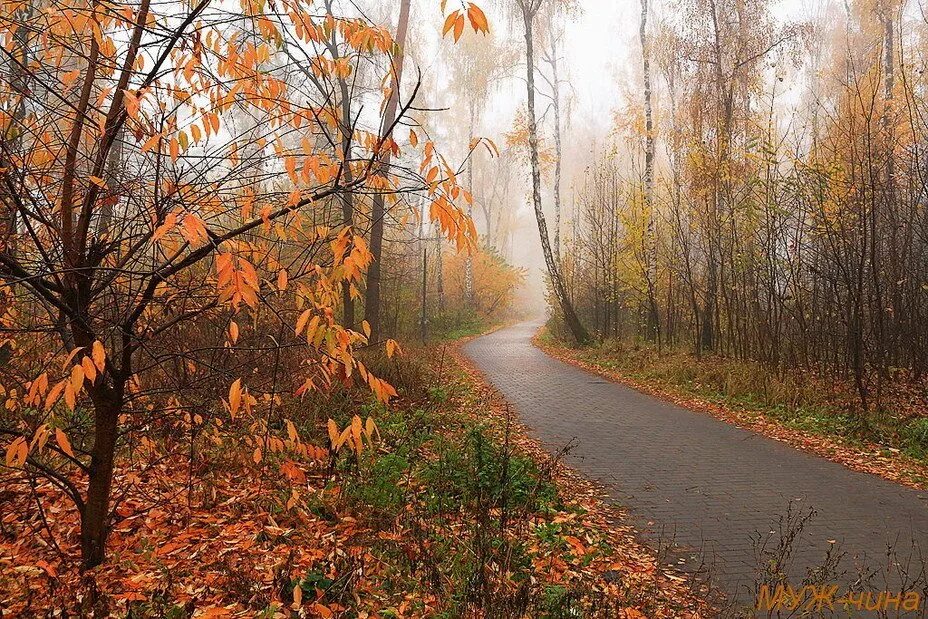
(441, 514)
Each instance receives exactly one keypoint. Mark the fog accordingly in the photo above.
(600, 72)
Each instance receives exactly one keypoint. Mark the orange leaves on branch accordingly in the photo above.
(87, 368)
(381, 388)
(478, 21)
(194, 230)
(301, 324)
(17, 452)
(354, 435)
(169, 222)
(454, 223)
(454, 22)
(62, 439)
(237, 281)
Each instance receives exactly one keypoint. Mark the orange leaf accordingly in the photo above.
(322, 610)
(301, 321)
(77, 378)
(16, 452)
(235, 396)
(90, 370)
(99, 355)
(62, 439)
(478, 20)
(449, 22)
(169, 222)
(333, 432)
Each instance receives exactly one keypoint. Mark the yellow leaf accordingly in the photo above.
(99, 182)
(356, 433)
(297, 596)
(256, 456)
(291, 431)
(343, 437)
(99, 355)
(282, 279)
(370, 428)
(333, 433)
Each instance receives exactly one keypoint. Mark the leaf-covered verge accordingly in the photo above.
(451, 513)
(803, 410)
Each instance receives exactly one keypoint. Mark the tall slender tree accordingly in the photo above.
(528, 10)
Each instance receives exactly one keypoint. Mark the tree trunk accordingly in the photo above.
(107, 404)
(469, 259)
(555, 88)
(378, 212)
(19, 85)
(570, 316)
(654, 326)
(439, 275)
(345, 130)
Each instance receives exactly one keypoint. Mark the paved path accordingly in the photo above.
(712, 485)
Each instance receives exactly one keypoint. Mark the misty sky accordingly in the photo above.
(601, 60)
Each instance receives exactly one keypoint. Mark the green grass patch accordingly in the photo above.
(819, 405)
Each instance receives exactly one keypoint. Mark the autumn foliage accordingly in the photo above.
(172, 255)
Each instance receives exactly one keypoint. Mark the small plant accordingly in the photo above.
(379, 486)
(914, 437)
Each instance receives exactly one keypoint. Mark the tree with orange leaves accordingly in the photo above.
(222, 213)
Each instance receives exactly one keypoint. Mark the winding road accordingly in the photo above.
(708, 487)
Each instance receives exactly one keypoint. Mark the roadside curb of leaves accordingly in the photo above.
(871, 460)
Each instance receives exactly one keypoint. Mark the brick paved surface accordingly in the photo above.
(709, 485)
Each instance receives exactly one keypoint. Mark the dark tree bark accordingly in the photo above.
(378, 212)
